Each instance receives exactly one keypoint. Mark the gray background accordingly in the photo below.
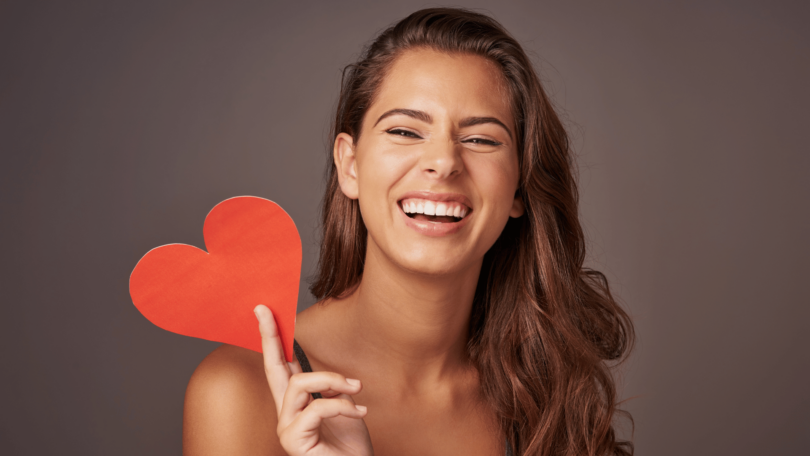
(123, 123)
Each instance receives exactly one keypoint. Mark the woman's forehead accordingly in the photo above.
(444, 83)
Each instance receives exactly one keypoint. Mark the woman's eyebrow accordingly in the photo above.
(418, 115)
(425, 117)
(470, 121)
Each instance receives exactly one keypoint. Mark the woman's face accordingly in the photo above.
(435, 169)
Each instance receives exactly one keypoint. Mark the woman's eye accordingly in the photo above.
(403, 133)
(482, 141)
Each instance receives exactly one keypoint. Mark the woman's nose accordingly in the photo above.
(441, 160)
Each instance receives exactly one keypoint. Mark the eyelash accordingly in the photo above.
(410, 134)
(403, 133)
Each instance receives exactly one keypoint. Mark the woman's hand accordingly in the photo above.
(330, 426)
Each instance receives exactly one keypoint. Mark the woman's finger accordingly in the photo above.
(309, 420)
(301, 386)
(295, 366)
(276, 367)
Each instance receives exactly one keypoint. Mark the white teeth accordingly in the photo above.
(427, 207)
(430, 208)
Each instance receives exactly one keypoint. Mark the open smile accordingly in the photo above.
(435, 214)
(434, 211)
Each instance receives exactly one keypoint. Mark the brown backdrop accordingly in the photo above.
(123, 123)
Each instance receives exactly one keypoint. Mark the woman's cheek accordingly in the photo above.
(497, 178)
(378, 173)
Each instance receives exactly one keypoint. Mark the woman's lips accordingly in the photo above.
(434, 218)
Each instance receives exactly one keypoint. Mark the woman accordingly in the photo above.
(455, 316)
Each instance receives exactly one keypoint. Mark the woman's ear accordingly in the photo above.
(346, 165)
(517, 207)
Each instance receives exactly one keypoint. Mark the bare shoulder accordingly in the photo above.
(229, 366)
(228, 406)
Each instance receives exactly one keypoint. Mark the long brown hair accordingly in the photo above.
(543, 328)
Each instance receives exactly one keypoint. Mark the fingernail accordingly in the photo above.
(353, 382)
(256, 311)
(361, 408)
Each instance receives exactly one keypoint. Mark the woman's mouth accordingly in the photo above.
(434, 211)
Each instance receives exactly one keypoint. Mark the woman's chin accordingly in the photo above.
(437, 265)
(426, 256)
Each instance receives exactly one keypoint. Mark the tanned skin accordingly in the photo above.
(403, 331)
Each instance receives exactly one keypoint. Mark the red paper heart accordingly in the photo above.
(254, 257)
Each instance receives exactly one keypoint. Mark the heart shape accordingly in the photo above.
(254, 257)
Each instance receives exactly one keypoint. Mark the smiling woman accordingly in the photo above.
(437, 142)
(455, 315)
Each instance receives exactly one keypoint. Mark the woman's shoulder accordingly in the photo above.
(227, 367)
(231, 371)
(229, 408)
(228, 405)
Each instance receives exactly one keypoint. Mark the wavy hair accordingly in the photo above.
(543, 328)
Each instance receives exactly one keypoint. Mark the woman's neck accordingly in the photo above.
(414, 326)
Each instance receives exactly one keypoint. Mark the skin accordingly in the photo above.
(402, 332)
